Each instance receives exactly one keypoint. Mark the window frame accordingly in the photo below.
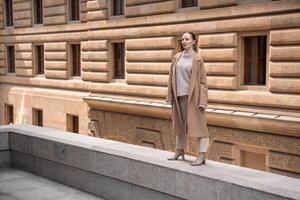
(35, 59)
(70, 60)
(111, 11)
(69, 13)
(70, 123)
(112, 61)
(6, 120)
(7, 60)
(241, 60)
(5, 14)
(35, 117)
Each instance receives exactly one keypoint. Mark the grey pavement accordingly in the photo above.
(16, 184)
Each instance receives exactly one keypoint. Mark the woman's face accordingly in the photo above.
(187, 41)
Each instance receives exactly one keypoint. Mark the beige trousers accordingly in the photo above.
(181, 138)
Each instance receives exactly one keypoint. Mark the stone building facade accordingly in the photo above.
(101, 68)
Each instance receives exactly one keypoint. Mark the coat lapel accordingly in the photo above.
(195, 69)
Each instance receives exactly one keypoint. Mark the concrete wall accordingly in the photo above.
(114, 170)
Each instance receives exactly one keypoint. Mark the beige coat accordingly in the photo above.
(196, 117)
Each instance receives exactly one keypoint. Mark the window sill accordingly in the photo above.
(117, 16)
(254, 87)
(192, 8)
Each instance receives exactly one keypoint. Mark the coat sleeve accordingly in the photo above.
(203, 96)
(169, 98)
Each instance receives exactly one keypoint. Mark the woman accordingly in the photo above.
(187, 93)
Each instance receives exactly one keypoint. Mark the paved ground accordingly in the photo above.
(20, 185)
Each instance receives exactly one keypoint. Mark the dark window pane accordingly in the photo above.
(255, 60)
(37, 117)
(119, 67)
(75, 55)
(74, 9)
(9, 114)
(11, 59)
(9, 12)
(38, 11)
(118, 7)
(75, 124)
(189, 3)
(39, 59)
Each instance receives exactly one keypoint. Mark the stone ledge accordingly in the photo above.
(148, 168)
(262, 121)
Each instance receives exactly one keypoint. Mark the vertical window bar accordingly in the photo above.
(9, 12)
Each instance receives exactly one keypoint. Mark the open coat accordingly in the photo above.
(196, 117)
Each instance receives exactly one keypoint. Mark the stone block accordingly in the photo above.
(220, 68)
(147, 79)
(95, 56)
(285, 36)
(150, 43)
(95, 76)
(151, 9)
(56, 65)
(22, 161)
(20, 143)
(23, 23)
(23, 55)
(55, 46)
(55, 20)
(23, 47)
(95, 66)
(138, 2)
(222, 54)
(286, 85)
(220, 150)
(4, 144)
(57, 10)
(24, 64)
(24, 72)
(285, 69)
(217, 3)
(218, 40)
(284, 161)
(222, 82)
(150, 137)
(56, 74)
(97, 15)
(54, 3)
(4, 158)
(25, 14)
(148, 67)
(94, 45)
(285, 53)
(56, 56)
(147, 55)
(26, 5)
(96, 5)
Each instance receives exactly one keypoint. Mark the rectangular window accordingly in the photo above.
(9, 114)
(38, 11)
(11, 67)
(9, 13)
(39, 59)
(75, 59)
(72, 123)
(189, 3)
(119, 55)
(118, 7)
(255, 60)
(74, 9)
(37, 117)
